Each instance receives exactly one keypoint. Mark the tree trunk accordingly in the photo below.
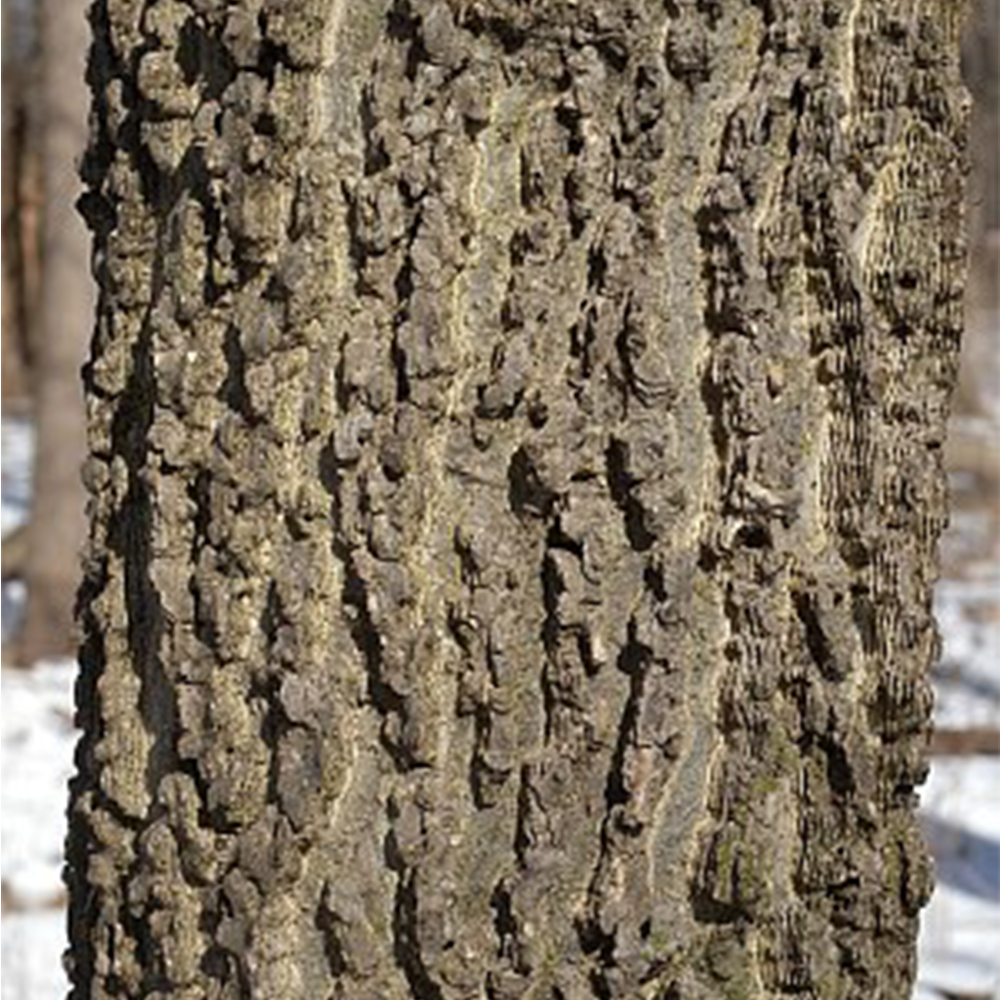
(16, 167)
(515, 465)
(56, 532)
(980, 375)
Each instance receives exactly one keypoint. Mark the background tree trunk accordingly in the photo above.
(979, 377)
(516, 469)
(20, 175)
(55, 533)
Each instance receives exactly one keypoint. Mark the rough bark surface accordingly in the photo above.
(515, 473)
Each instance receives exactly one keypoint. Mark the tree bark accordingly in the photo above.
(515, 469)
(56, 531)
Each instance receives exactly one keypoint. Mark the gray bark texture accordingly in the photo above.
(515, 468)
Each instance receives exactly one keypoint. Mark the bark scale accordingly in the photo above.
(515, 474)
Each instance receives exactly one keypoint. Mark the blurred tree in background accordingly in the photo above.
(973, 447)
(50, 313)
(21, 198)
(981, 58)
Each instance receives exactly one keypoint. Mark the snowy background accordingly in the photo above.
(960, 940)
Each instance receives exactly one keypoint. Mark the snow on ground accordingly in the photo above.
(32, 955)
(960, 929)
(960, 937)
(17, 441)
(37, 739)
(967, 680)
(15, 475)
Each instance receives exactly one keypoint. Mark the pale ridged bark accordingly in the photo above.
(515, 466)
